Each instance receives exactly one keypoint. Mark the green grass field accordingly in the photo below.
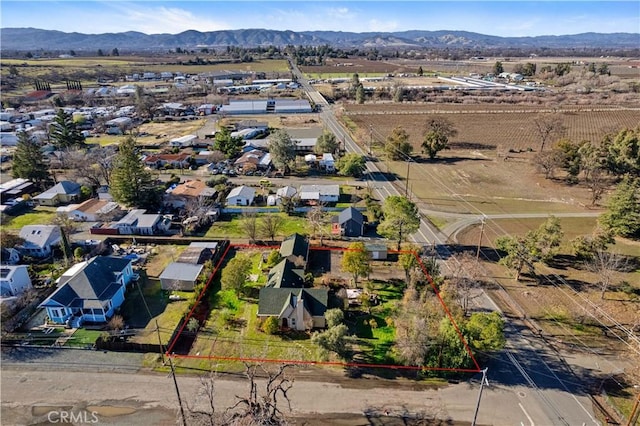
(37, 216)
(232, 228)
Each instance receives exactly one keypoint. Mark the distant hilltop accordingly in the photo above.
(24, 39)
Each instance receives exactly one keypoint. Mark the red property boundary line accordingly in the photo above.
(477, 368)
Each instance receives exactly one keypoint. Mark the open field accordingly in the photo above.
(337, 67)
(475, 182)
(96, 65)
(555, 298)
(507, 126)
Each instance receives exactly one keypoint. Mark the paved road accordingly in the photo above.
(110, 384)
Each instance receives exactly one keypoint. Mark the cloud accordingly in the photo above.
(155, 20)
(341, 13)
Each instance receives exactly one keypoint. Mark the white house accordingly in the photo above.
(138, 222)
(319, 193)
(118, 125)
(241, 196)
(39, 240)
(90, 291)
(328, 163)
(183, 141)
(14, 280)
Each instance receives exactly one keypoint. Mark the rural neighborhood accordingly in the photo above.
(419, 222)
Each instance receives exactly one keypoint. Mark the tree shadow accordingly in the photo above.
(381, 177)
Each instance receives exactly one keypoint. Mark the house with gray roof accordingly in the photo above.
(241, 196)
(137, 221)
(286, 274)
(284, 295)
(295, 248)
(314, 194)
(39, 240)
(351, 222)
(61, 193)
(298, 309)
(90, 291)
(180, 276)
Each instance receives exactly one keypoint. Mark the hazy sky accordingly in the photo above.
(502, 18)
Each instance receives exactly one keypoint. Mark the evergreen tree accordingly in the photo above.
(282, 149)
(131, 184)
(63, 131)
(225, 143)
(401, 218)
(351, 165)
(28, 161)
(623, 210)
(326, 143)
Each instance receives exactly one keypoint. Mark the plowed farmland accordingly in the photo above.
(490, 126)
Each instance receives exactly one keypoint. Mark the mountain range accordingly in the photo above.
(34, 39)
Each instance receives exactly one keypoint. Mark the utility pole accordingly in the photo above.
(406, 184)
(159, 340)
(370, 137)
(482, 383)
(480, 239)
(175, 383)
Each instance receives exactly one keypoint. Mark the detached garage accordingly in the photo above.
(180, 276)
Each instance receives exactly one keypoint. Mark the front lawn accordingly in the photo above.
(233, 330)
(83, 337)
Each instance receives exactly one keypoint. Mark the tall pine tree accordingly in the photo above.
(28, 161)
(64, 132)
(131, 184)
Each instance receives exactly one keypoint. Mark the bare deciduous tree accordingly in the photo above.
(270, 226)
(249, 225)
(317, 217)
(255, 408)
(606, 265)
(548, 162)
(548, 126)
(466, 274)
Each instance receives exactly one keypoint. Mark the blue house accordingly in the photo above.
(90, 291)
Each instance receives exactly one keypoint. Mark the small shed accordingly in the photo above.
(377, 251)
